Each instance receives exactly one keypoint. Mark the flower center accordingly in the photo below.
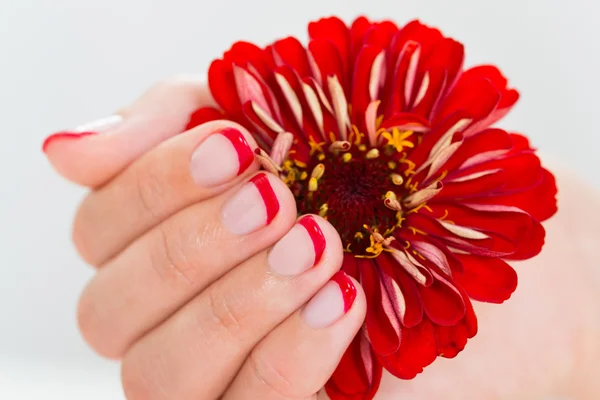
(355, 190)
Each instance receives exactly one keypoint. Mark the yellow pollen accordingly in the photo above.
(303, 175)
(392, 165)
(347, 157)
(372, 154)
(362, 147)
(313, 185)
(323, 210)
(321, 157)
(397, 179)
(398, 139)
(314, 146)
(358, 235)
(391, 195)
(318, 171)
(300, 164)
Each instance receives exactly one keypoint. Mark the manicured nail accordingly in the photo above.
(99, 126)
(299, 250)
(252, 207)
(331, 302)
(221, 157)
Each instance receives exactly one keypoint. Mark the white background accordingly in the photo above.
(64, 62)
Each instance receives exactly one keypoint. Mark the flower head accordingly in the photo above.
(380, 130)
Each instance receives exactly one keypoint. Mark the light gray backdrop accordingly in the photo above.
(64, 62)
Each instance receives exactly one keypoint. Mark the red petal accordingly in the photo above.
(245, 54)
(380, 34)
(290, 52)
(335, 32)
(202, 115)
(442, 302)
(511, 223)
(417, 350)
(491, 142)
(448, 54)
(328, 62)
(531, 244)
(539, 202)
(451, 340)
(358, 374)
(357, 33)
(222, 88)
(413, 307)
(360, 84)
(477, 97)
(382, 321)
(486, 279)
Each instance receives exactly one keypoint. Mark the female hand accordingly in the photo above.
(208, 286)
(199, 310)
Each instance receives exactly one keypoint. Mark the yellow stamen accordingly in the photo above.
(358, 235)
(372, 154)
(362, 147)
(318, 171)
(321, 157)
(314, 146)
(397, 179)
(398, 139)
(300, 164)
(323, 210)
(303, 175)
(313, 185)
(347, 157)
(392, 165)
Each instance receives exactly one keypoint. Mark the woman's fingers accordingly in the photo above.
(180, 257)
(194, 166)
(296, 359)
(94, 153)
(196, 352)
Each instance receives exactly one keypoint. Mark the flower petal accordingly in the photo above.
(442, 302)
(358, 375)
(417, 350)
(202, 115)
(486, 279)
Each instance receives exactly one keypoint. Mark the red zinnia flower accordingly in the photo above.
(379, 130)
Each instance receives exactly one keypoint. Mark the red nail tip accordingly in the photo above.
(242, 148)
(316, 235)
(261, 181)
(347, 287)
(64, 135)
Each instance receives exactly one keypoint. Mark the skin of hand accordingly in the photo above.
(199, 305)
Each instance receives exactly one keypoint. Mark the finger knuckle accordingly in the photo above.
(150, 190)
(169, 259)
(276, 379)
(226, 315)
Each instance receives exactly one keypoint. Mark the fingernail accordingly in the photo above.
(299, 250)
(331, 302)
(221, 157)
(96, 127)
(252, 207)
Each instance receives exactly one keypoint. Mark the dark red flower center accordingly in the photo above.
(349, 188)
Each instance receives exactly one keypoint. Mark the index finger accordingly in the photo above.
(94, 153)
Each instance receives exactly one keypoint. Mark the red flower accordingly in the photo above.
(378, 129)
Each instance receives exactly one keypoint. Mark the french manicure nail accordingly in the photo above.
(299, 250)
(96, 127)
(221, 157)
(331, 302)
(252, 207)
